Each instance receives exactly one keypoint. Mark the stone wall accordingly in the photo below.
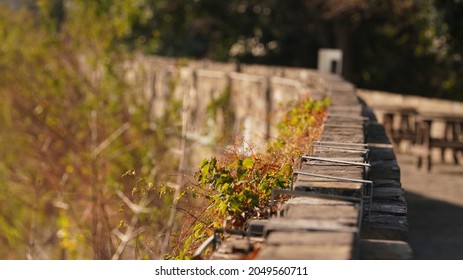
(223, 101)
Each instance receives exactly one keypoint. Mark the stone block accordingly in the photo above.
(384, 250)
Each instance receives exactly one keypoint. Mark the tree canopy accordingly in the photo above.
(411, 47)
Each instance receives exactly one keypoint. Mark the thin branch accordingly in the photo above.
(137, 209)
(103, 145)
(181, 168)
(126, 237)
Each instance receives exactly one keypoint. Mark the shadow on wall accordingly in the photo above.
(435, 228)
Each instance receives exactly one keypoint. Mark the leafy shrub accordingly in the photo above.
(237, 186)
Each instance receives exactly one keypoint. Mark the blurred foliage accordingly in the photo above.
(410, 46)
(70, 127)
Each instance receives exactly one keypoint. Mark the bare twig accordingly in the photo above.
(131, 232)
(125, 238)
(103, 145)
(137, 209)
(181, 168)
(33, 232)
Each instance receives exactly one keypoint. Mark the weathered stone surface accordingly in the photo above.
(384, 183)
(315, 245)
(343, 213)
(340, 153)
(385, 170)
(321, 164)
(256, 227)
(381, 153)
(286, 224)
(315, 201)
(236, 247)
(377, 134)
(390, 231)
(354, 193)
(384, 250)
(387, 206)
(353, 172)
(353, 109)
(351, 162)
(290, 252)
(381, 218)
(327, 166)
(341, 138)
(306, 182)
(343, 127)
(388, 192)
(339, 156)
(310, 238)
(333, 168)
(345, 119)
(384, 226)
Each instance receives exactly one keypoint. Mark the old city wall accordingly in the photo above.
(221, 101)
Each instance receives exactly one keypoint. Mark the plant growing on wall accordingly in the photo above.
(237, 185)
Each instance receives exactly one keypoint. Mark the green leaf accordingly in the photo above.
(235, 205)
(204, 162)
(205, 169)
(225, 188)
(311, 121)
(286, 171)
(249, 162)
(223, 208)
(241, 173)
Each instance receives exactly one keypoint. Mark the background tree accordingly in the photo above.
(411, 47)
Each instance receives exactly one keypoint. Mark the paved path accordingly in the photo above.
(435, 209)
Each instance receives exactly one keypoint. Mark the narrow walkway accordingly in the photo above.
(435, 209)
